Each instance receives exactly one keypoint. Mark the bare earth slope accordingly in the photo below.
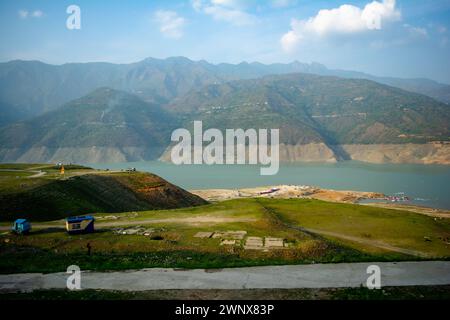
(52, 197)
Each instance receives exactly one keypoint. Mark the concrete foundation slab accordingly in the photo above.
(228, 242)
(273, 243)
(203, 234)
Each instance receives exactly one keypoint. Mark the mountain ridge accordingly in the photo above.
(321, 118)
(104, 123)
(30, 88)
(313, 101)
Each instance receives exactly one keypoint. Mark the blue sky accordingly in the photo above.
(403, 38)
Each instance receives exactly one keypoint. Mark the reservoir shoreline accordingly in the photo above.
(426, 185)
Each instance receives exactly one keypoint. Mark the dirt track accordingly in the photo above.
(189, 220)
(372, 243)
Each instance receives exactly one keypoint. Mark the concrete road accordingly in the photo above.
(281, 277)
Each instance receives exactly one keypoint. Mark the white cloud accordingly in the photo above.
(235, 4)
(197, 4)
(416, 31)
(236, 17)
(291, 40)
(283, 3)
(24, 14)
(444, 40)
(232, 11)
(402, 35)
(346, 19)
(170, 23)
(37, 14)
(442, 29)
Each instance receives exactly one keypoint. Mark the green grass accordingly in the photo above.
(53, 250)
(50, 197)
(14, 174)
(398, 228)
(83, 191)
(21, 166)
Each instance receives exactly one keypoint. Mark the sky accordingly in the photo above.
(400, 38)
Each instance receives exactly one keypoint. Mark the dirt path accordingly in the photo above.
(190, 220)
(372, 243)
(37, 173)
(342, 275)
(120, 223)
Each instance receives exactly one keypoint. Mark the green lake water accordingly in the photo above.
(426, 185)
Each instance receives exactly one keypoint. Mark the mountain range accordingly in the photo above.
(104, 112)
(30, 88)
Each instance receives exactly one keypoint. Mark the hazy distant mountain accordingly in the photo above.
(431, 88)
(104, 125)
(30, 88)
(311, 109)
(327, 113)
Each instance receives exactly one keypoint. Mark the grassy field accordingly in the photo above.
(13, 176)
(51, 250)
(23, 166)
(394, 227)
(314, 231)
(172, 244)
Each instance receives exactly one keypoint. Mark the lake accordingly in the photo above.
(427, 185)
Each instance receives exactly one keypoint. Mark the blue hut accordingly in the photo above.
(82, 224)
(21, 226)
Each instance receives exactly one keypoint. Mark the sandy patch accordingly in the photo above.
(190, 220)
(311, 192)
(286, 192)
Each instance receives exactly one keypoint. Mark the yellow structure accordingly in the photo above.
(62, 169)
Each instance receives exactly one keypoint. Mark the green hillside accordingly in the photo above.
(309, 108)
(82, 191)
(104, 118)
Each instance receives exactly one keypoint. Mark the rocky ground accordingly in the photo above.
(287, 192)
